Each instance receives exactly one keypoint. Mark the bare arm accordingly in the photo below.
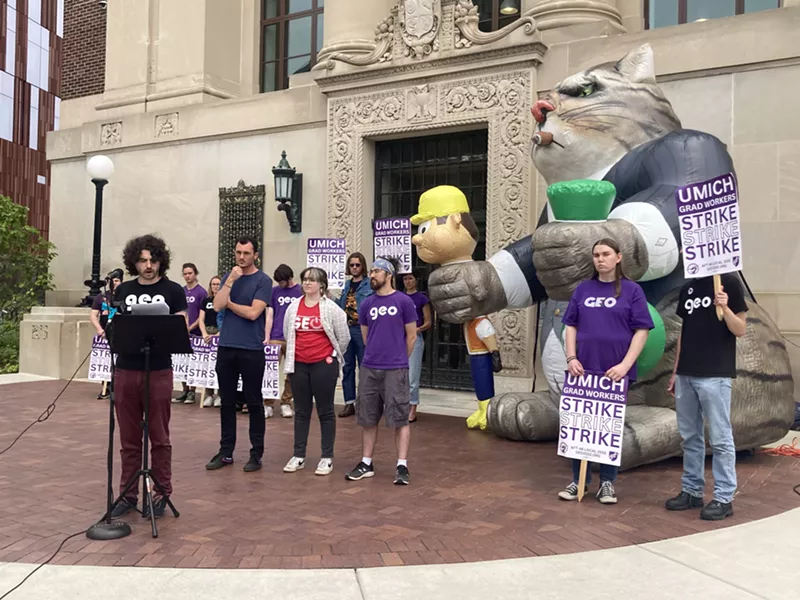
(426, 319)
(196, 324)
(94, 317)
(635, 349)
(411, 337)
(737, 323)
(268, 324)
(364, 330)
(247, 312)
(202, 323)
(572, 340)
(671, 384)
(223, 295)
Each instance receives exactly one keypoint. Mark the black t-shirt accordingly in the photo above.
(132, 292)
(99, 304)
(211, 315)
(708, 348)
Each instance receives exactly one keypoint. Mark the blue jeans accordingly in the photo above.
(607, 472)
(696, 397)
(415, 368)
(354, 352)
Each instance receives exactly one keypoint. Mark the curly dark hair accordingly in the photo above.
(158, 250)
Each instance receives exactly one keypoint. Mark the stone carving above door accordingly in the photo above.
(420, 29)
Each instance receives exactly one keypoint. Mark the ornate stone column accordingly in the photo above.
(350, 26)
(550, 14)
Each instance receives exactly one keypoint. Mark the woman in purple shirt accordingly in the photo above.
(607, 322)
(422, 304)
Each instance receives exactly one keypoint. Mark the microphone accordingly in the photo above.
(115, 274)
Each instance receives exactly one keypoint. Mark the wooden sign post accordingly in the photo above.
(582, 480)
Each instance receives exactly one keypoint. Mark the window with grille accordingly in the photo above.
(665, 13)
(291, 37)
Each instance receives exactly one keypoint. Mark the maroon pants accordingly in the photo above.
(129, 403)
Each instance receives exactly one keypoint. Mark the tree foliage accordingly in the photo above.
(24, 273)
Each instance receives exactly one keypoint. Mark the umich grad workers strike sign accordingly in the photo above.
(330, 255)
(391, 238)
(592, 418)
(708, 214)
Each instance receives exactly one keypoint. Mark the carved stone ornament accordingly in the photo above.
(39, 332)
(418, 29)
(111, 134)
(498, 102)
(167, 125)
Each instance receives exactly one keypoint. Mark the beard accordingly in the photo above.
(373, 283)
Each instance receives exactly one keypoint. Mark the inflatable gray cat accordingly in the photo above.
(612, 122)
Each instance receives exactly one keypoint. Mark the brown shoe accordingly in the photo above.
(348, 411)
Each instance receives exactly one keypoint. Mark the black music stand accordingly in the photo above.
(140, 334)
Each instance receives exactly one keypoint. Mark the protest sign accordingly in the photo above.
(270, 386)
(100, 360)
(330, 255)
(708, 213)
(197, 365)
(592, 418)
(392, 239)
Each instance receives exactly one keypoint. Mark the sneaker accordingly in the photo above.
(606, 493)
(254, 464)
(683, 501)
(218, 462)
(190, 399)
(361, 471)
(716, 511)
(348, 411)
(570, 492)
(268, 412)
(102, 396)
(181, 398)
(245, 410)
(122, 508)
(324, 467)
(295, 464)
(401, 475)
(208, 402)
(159, 506)
(286, 411)
(217, 401)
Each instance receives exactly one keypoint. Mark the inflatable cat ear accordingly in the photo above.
(638, 65)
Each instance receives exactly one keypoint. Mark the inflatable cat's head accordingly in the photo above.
(596, 116)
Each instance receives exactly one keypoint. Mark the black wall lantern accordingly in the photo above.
(289, 193)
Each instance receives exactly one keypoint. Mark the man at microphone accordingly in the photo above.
(147, 258)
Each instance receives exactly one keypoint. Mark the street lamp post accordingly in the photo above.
(100, 169)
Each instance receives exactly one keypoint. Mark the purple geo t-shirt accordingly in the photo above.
(419, 299)
(606, 324)
(386, 318)
(281, 299)
(194, 302)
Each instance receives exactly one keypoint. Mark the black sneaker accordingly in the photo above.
(218, 462)
(401, 475)
(190, 399)
(102, 396)
(684, 501)
(159, 505)
(348, 411)
(122, 508)
(361, 471)
(180, 399)
(716, 511)
(254, 464)
(570, 492)
(606, 493)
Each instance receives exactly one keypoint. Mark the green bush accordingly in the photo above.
(24, 276)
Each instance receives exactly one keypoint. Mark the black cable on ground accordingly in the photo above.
(52, 556)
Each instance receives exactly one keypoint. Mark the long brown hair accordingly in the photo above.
(618, 274)
(210, 281)
(360, 257)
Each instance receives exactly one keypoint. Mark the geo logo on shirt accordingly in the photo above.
(600, 302)
(132, 299)
(284, 300)
(308, 323)
(376, 312)
(690, 304)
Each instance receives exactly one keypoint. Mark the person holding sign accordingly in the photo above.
(607, 322)
(100, 315)
(423, 307)
(316, 331)
(208, 328)
(705, 365)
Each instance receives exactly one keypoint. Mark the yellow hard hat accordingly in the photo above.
(441, 201)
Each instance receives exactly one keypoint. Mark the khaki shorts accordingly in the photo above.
(383, 392)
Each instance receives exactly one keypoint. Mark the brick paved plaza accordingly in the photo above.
(473, 497)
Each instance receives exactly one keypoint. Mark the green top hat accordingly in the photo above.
(581, 199)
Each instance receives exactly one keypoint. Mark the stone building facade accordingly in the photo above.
(383, 100)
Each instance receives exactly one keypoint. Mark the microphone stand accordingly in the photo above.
(106, 529)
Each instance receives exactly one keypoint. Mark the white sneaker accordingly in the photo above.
(294, 464)
(208, 402)
(325, 466)
(267, 412)
(286, 411)
(217, 401)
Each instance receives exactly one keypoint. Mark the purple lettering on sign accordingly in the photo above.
(392, 239)
(708, 214)
(592, 418)
(330, 255)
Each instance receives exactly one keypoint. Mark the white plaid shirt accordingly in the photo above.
(334, 322)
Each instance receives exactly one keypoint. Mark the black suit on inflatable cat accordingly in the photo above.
(613, 122)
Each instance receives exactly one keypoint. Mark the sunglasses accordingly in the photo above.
(351, 265)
